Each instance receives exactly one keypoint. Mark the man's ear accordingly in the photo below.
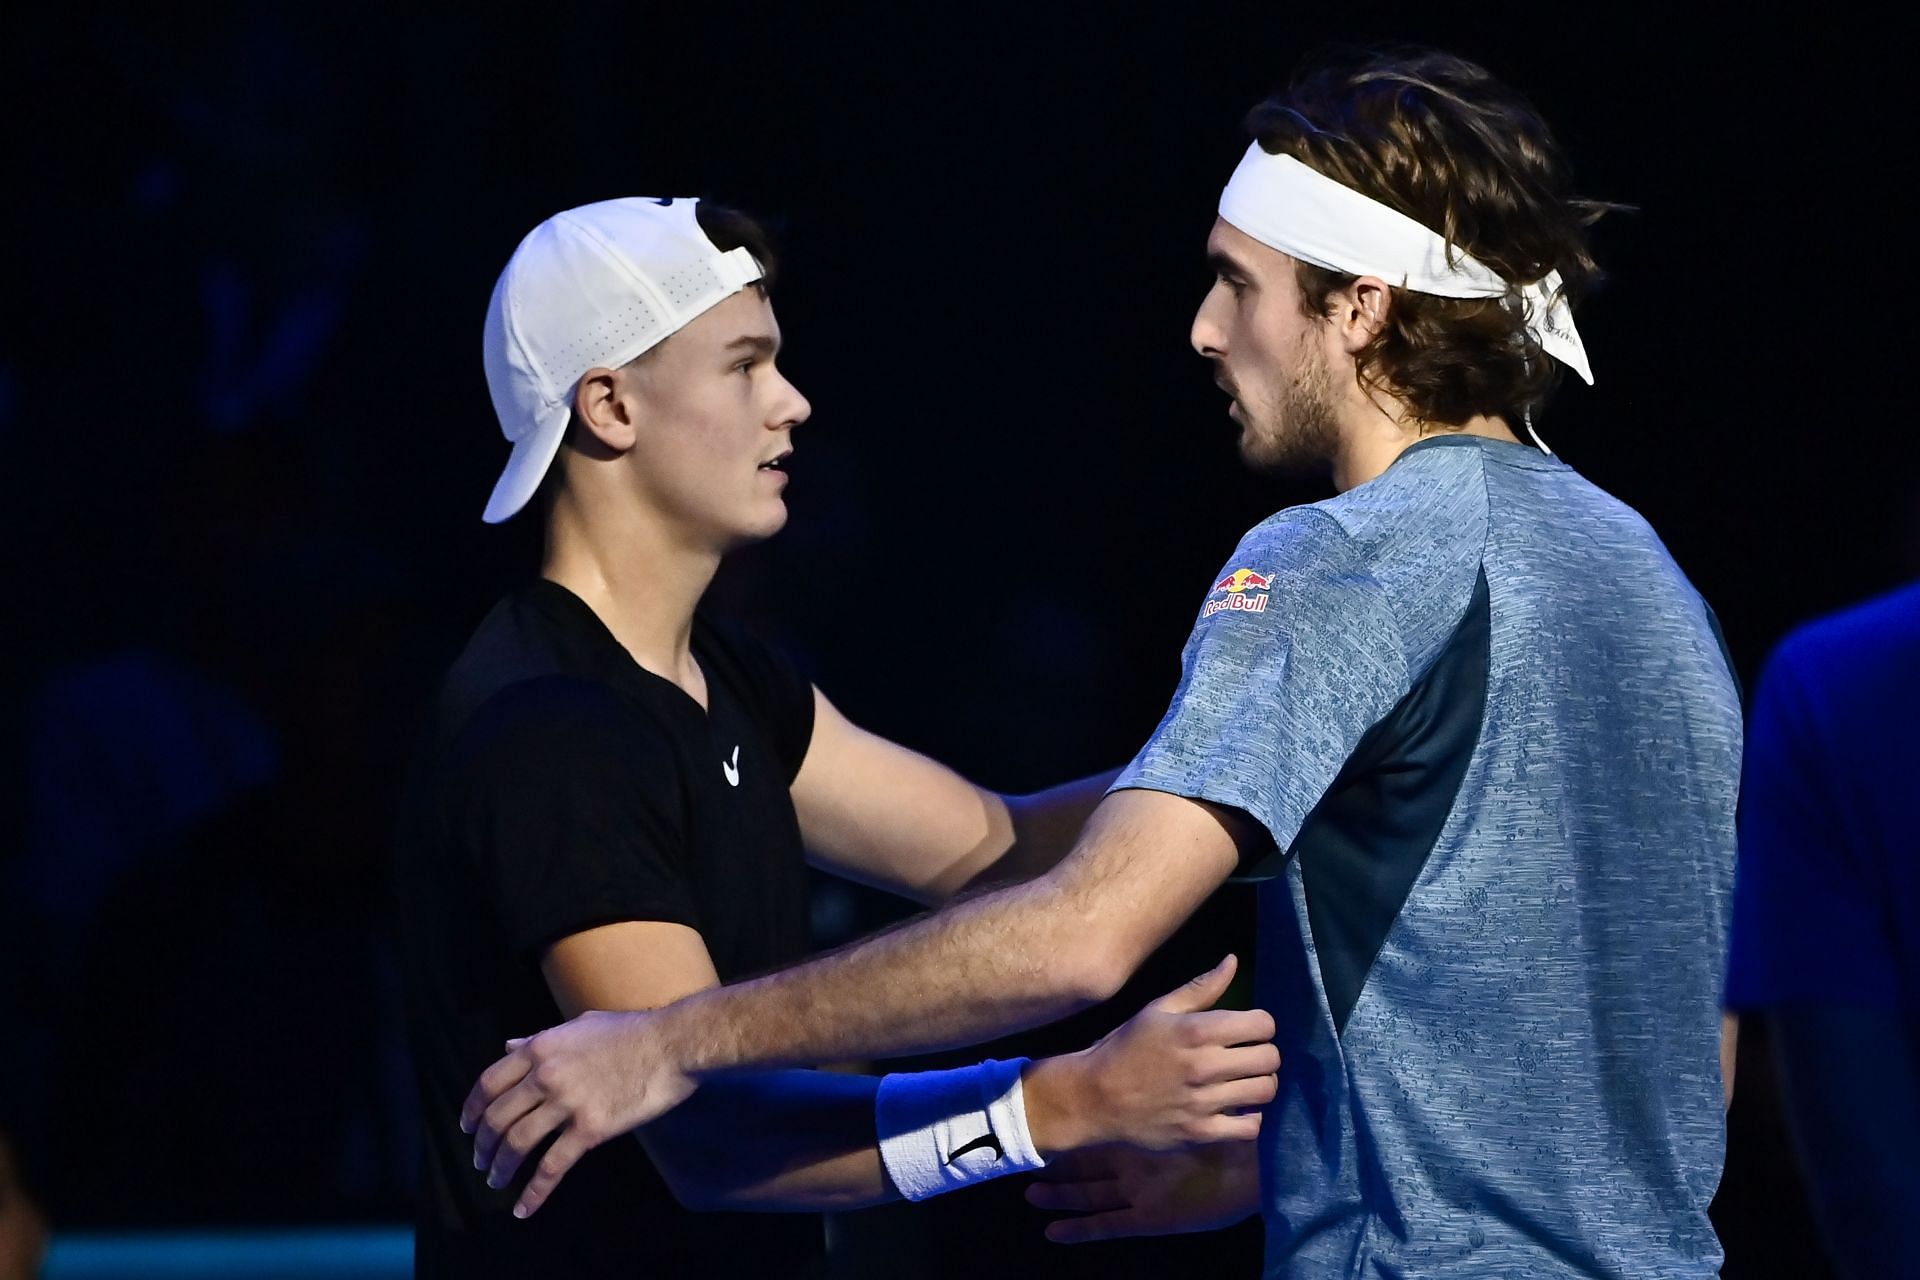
(1360, 311)
(604, 410)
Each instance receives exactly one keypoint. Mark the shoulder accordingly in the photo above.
(1431, 505)
(1301, 568)
(1862, 663)
(1298, 582)
(1302, 541)
(1883, 629)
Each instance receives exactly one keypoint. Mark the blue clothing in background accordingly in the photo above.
(1827, 909)
(1494, 732)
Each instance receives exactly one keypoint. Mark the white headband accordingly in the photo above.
(1288, 206)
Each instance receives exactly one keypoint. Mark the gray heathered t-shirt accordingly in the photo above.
(1494, 731)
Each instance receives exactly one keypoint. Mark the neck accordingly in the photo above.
(1378, 433)
(638, 577)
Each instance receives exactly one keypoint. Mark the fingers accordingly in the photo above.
(1238, 1095)
(1212, 1066)
(493, 1082)
(1199, 993)
(1095, 1196)
(560, 1157)
(520, 1142)
(1223, 1128)
(1115, 1225)
(506, 1112)
(1227, 1027)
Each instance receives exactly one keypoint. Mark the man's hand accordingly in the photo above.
(1179, 1072)
(591, 1079)
(1126, 1192)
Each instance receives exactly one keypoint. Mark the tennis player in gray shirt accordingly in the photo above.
(1467, 720)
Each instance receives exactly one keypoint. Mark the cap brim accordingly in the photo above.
(532, 454)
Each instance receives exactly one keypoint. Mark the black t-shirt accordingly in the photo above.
(563, 787)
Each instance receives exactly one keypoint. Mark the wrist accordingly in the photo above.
(942, 1130)
(671, 1028)
(1058, 1094)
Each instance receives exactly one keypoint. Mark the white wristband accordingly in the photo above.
(942, 1130)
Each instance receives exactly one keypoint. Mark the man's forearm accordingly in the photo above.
(1045, 826)
(772, 1141)
(1002, 962)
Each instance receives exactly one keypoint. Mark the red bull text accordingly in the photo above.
(1243, 590)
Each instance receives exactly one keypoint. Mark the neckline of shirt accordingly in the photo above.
(1513, 452)
(617, 663)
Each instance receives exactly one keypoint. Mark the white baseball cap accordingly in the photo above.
(589, 288)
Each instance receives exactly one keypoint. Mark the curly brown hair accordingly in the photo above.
(1441, 140)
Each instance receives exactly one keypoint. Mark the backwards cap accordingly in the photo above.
(592, 287)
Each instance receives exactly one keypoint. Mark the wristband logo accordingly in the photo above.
(1242, 591)
(985, 1141)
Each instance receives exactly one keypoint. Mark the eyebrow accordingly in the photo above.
(1225, 263)
(763, 343)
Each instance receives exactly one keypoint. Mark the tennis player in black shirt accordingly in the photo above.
(619, 795)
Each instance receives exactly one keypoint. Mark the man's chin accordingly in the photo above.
(1282, 457)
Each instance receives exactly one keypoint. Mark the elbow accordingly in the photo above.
(683, 1153)
(1096, 971)
(1090, 954)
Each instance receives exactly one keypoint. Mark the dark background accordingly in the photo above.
(245, 441)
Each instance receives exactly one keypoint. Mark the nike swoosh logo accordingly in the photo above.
(984, 1142)
(732, 768)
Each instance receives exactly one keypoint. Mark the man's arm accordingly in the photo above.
(873, 811)
(767, 1140)
(806, 1140)
(1006, 960)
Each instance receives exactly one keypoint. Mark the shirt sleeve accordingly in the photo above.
(778, 694)
(1809, 922)
(1294, 657)
(568, 805)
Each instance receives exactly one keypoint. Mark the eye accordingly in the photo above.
(745, 366)
(1235, 286)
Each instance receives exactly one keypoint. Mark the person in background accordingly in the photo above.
(1826, 919)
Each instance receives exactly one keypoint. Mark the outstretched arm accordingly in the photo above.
(806, 1140)
(997, 963)
(875, 812)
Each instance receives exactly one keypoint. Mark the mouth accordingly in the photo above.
(1233, 401)
(777, 463)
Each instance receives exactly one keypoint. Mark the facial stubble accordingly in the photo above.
(1297, 430)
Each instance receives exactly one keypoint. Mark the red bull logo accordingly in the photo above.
(1243, 590)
